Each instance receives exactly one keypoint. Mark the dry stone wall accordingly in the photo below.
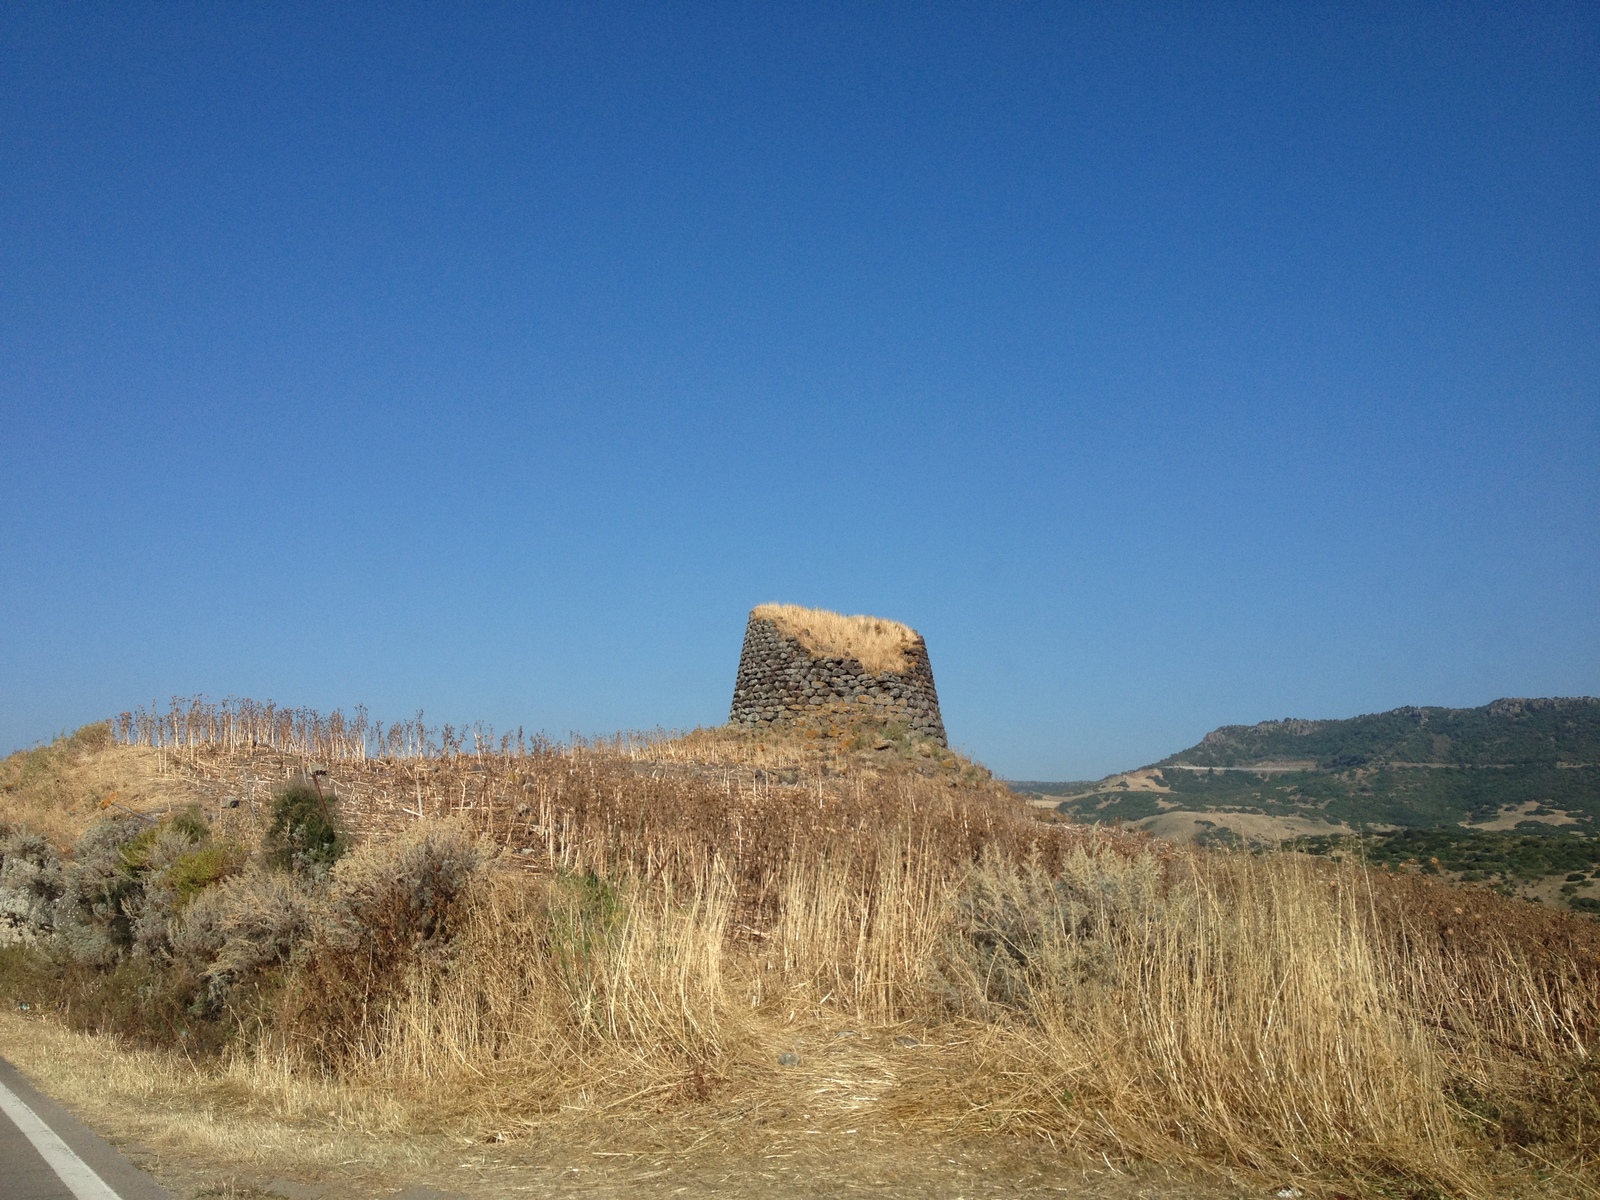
(780, 680)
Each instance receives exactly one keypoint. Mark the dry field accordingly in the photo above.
(729, 962)
(239, 1129)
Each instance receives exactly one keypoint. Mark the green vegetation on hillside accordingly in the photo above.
(1544, 732)
(1360, 797)
(1513, 761)
(1478, 856)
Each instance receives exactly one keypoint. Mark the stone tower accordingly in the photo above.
(807, 665)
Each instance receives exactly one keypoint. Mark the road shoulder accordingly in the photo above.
(99, 1155)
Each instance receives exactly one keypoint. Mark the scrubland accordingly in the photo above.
(764, 945)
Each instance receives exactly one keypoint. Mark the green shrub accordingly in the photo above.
(200, 869)
(127, 880)
(586, 915)
(306, 835)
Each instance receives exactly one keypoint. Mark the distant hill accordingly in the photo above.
(1505, 733)
(1525, 765)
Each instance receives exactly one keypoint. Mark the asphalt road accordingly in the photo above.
(48, 1154)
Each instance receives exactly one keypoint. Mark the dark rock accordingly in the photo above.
(778, 677)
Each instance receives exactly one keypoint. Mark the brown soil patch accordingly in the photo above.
(1511, 815)
(1181, 825)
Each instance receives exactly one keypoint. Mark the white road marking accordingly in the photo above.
(79, 1177)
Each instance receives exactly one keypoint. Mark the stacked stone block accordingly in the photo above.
(781, 681)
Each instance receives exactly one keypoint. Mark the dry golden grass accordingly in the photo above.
(61, 789)
(1242, 1014)
(229, 1130)
(834, 740)
(638, 930)
(877, 644)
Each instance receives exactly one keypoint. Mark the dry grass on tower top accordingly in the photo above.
(877, 644)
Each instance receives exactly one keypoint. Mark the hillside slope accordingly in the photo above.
(1548, 732)
(1515, 764)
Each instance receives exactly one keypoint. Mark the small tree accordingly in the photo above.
(306, 835)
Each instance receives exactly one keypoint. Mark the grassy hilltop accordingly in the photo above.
(287, 946)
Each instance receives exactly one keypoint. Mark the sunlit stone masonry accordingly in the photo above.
(804, 665)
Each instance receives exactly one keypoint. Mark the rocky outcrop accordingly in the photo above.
(781, 680)
(31, 883)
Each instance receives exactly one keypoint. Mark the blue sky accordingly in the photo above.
(1167, 366)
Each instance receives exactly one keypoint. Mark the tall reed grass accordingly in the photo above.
(1250, 1012)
